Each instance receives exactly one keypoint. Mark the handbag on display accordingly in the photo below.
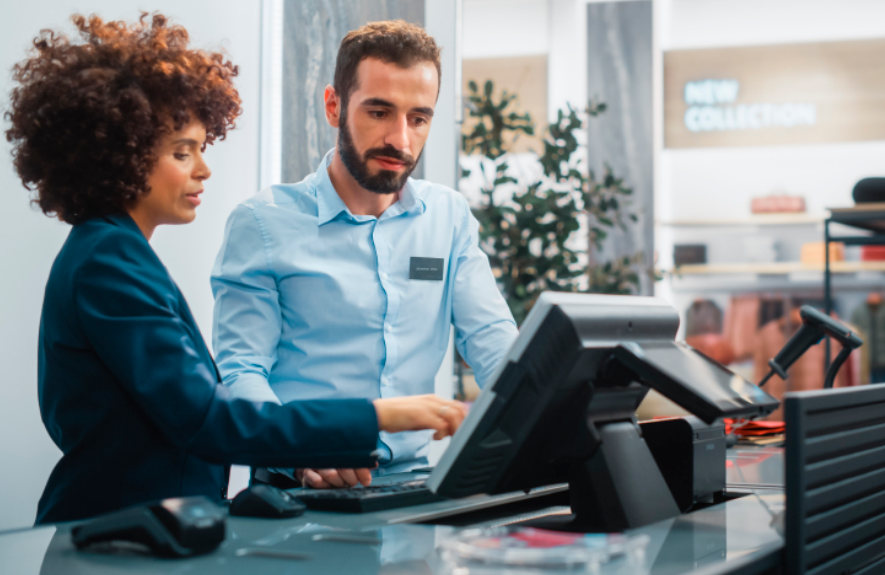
(869, 191)
(777, 204)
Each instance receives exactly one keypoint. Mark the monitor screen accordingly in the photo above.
(530, 423)
(695, 381)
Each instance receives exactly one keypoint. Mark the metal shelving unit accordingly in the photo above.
(867, 217)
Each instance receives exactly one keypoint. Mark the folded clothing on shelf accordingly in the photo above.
(754, 428)
(813, 253)
(872, 253)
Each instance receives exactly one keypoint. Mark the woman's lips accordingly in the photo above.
(194, 198)
(389, 164)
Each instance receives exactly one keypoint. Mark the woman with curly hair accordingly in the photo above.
(109, 129)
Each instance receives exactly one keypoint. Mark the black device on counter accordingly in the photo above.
(179, 527)
(691, 455)
(815, 326)
(369, 499)
(561, 408)
(267, 502)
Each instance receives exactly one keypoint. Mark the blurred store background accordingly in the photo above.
(689, 149)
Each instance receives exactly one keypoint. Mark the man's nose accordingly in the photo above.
(398, 137)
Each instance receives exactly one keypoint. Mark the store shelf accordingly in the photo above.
(793, 277)
(777, 268)
(754, 220)
(869, 217)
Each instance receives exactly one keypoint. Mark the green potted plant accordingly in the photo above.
(530, 237)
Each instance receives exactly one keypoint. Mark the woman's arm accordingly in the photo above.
(128, 309)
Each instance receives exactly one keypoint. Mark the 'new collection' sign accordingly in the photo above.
(775, 95)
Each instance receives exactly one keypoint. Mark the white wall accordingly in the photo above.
(29, 241)
(504, 28)
(707, 183)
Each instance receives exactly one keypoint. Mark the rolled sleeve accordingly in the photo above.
(247, 320)
(484, 326)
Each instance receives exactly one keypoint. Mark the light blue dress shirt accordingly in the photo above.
(312, 301)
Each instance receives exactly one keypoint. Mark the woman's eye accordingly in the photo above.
(181, 156)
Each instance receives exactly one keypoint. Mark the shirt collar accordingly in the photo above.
(330, 204)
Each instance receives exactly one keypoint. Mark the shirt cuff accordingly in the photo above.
(252, 387)
(384, 453)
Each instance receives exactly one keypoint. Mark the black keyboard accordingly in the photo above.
(367, 499)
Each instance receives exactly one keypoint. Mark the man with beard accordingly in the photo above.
(346, 284)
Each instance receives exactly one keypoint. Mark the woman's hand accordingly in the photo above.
(417, 412)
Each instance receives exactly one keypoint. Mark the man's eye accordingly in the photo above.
(378, 114)
(420, 121)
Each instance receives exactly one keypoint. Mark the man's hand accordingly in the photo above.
(332, 478)
(417, 412)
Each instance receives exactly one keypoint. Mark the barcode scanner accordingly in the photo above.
(179, 527)
(815, 326)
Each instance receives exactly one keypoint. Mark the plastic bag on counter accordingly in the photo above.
(540, 548)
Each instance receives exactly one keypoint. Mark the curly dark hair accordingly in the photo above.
(392, 41)
(87, 115)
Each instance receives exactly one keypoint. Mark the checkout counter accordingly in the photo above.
(737, 536)
(559, 413)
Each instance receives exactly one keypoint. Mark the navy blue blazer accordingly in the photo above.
(130, 394)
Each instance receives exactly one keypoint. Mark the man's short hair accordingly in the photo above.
(393, 41)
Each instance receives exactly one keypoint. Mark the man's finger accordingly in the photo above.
(454, 415)
(313, 479)
(364, 476)
(441, 425)
(331, 477)
(348, 476)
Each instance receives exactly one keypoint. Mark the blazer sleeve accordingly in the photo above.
(128, 309)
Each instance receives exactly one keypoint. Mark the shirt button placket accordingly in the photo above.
(383, 262)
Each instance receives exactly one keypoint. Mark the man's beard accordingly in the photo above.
(385, 181)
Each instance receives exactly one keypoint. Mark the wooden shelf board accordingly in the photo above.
(777, 268)
(754, 220)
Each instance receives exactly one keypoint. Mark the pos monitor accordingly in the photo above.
(561, 408)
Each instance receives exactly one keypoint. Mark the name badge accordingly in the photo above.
(426, 269)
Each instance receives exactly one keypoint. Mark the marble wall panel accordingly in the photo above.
(313, 30)
(619, 73)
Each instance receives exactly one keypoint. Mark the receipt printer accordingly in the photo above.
(691, 457)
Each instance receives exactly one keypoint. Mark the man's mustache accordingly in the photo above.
(390, 152)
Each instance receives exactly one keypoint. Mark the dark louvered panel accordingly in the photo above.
(828, 522)
(845, 540)
(832, 420)
(844, 442)
(846, 466)
(834, 495)
(836, 481)
(874, 568)
(853, 561)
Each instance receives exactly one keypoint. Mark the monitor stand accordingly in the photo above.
(620, 486)
(615, 484)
